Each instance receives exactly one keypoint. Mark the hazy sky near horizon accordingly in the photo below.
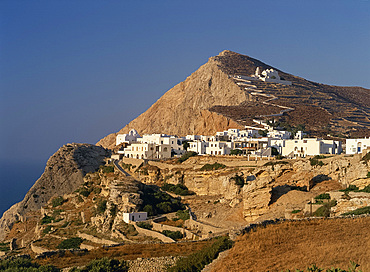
(75, 71)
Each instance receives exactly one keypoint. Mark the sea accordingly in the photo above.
(16, 178)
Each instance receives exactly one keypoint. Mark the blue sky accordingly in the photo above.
(75, 71)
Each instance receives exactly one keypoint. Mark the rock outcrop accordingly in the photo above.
(63, 174)
(184, 109)
(210, 100)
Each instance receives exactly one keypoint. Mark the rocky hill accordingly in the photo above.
(210, 100)
(63, 174)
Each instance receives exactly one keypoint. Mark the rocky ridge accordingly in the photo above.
(63, 174)
(210, 100)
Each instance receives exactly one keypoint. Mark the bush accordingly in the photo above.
(144, 225)
(215, 166)
(236, 152)
(239, 180)
(84, 192)
(153, 199)
(24, 264)
(57, 201)
(296, 211)
(178, 189)
(47, 219)
(186, 156)
(102, 206)
(104, 265)
(323, 196)
(183, 214)
(175, 235)
(363, 210)
(107, 169)
(198, 260)
(74, 242)
(149, 209)
(113, 210)
(324, 210)
(47, 230)
(315, 161)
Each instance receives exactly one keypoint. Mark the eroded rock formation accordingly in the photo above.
(63, 174)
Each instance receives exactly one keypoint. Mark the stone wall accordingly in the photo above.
(95, 239)
(154, 234)
(161, 227)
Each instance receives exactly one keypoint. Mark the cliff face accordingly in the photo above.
(184, 109)
(63, 173)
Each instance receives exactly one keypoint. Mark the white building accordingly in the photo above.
(193, 137)
(219, 148)
(127, 138)
(160, 139)
(148, 151)
(135, 217)
(280, 134)
(355, 146)
(306, 147)
(198, 146)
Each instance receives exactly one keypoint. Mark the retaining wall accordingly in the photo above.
(154, 234)
(95, 239)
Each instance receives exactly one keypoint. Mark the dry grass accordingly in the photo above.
(291, 245)
(127, 252)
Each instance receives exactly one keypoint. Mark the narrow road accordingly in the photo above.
(115, 162)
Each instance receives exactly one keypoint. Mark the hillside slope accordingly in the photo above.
(63, 174)
(209, 100)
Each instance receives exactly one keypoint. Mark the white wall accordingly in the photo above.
(355, 146)
(135, 216)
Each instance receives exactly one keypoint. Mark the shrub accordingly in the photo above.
(149, 209)
(215, 166)
(363, 210)
(183, 214)
(74, 242)
(24, 264)
(323, 196)
(144, 225)
(272, 163)
(105, 265)
(152, 199)
(236, 152)
(186, 156)
(107, 168)
(296, 211)
(4, 246)
(84, 192)
(113, 210)
(178, 189)
(198, 260)
(47, 219)
(239, 180)
(175, 235)
(47, 230)
(368, 175)
(102, 206)
(315, 161)
(57, 201)
(324, 210)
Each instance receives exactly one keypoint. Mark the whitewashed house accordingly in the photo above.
(135, 217)
(218, 148)
(127, 138)
(306, 147)
(148, 151)
(280, 134)
(198, 146)
(160, 139)
(355, 146)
